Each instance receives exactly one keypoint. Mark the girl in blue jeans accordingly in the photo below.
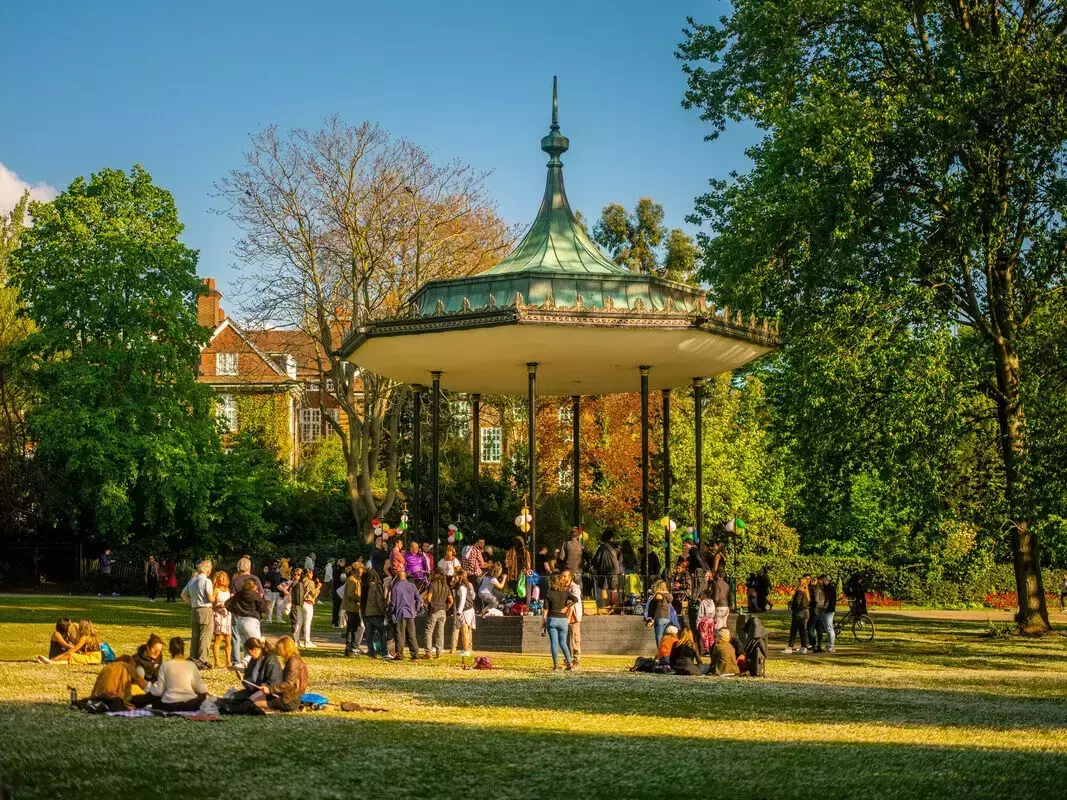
(557, 602)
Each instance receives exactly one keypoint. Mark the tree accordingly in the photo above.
(16, 494)
(120, 424)
(641, 242)
(339, 227)
(908, 147)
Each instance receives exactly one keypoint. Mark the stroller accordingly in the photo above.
(752, 643)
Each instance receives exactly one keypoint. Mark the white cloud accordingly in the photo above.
(12, 187)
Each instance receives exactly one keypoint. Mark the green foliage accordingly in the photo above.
(641, 242)
(120, 423)
(267, 417)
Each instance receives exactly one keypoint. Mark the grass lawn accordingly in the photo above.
(933, 708)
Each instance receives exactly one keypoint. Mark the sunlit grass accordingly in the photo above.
(933, 708)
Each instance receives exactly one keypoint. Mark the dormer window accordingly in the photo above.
(226, 363)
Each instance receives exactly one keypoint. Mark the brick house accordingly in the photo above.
(266, 379)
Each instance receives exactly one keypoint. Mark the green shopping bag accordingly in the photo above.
(520, 589)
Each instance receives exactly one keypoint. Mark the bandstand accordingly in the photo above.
(557, 317)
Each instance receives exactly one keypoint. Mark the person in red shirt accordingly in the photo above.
(474, 563)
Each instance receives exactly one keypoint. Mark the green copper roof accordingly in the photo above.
(556, 263)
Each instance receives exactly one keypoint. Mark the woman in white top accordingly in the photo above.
(491, 589)
(449, 564)
(220, 593)
(465, 620)
(178, 687)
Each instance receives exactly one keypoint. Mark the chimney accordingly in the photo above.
(208, 311)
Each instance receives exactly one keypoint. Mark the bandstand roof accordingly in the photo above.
(559, 302)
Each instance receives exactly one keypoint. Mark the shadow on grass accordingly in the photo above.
(703, 698)
(330, 755)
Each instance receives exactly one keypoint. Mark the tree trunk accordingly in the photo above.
(1026, 551)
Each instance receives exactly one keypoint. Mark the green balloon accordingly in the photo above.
(459, 536)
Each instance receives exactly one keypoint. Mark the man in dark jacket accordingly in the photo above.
(607, 569)
(404, 604)
(571, 555)
(372, 605)
(829, 609)
(815, 612)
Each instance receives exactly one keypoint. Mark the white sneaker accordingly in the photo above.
(467, 654)
(831, 650)
(312, 645)
(802, 650)
(788, 651)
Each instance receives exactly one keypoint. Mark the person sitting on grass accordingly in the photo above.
(263, 669)
(285, 694)
(723, 659)
(149, 658)
(178, 687)
(115, 684)
(684, 658)
(86, 648)
(667, 642)
(64, 638)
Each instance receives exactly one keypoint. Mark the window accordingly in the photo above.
(310, 424)
(227, 412)
(286, 363)
(329, 385)
(565, 473)
(225, 363)
(491, 445)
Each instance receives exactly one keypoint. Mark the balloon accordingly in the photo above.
(452, 527)
(459, 536)
(451, 539)
(403, 524)
(375, 523)
(404, 517)
(519, 520)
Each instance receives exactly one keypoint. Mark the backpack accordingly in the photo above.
(107, 655)
(483, 662)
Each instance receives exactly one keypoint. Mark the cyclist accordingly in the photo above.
(856, 592)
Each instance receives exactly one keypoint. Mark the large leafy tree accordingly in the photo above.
(120, 424)
(907, 146)
(639, 241)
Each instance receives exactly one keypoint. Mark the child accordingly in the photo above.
(220, 593)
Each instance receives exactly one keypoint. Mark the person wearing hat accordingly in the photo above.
(723, 659)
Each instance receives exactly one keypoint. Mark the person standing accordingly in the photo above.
(106, 565)
(222, 639)
(449, 564)
(517, 560)
(309, 566)
(571, 555)
(829, 609)
(170, 579)
(373, 608)
(246, 609)
(309, 593)
(465, 618)
(555, 624)
(474, 561)
(271, 581)
(607, 570)
(337, 582)
(439, 600)
(404, 604)
(350, 603)
(798, 606)
(574, 623)
(197, 593)
(296, 599)
(815, 612)
(151, 577)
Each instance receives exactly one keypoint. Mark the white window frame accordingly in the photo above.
(492, 445)
(227, 412)
(310, 424)
(227, 363)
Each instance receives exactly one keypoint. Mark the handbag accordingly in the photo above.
(520, 589)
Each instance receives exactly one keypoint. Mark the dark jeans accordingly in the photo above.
(351, 630)
(375, 633)
(153, 588)
(172, 594)
(799, 625)
(815, 629)
(336, 610)
(188, 705)
(694, 607)
(405, 630)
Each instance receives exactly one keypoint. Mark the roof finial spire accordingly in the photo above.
(555, 104)
(555, 144)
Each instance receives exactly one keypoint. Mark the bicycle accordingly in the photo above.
(863, 629)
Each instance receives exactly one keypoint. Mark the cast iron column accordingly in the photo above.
(667, 474)
(476, 438)
(644, 468)
(416, 457)
(436, 423)
(576, 426)
(698, 415)
(531, 411)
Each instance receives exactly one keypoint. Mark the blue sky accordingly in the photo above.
(178, 87)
